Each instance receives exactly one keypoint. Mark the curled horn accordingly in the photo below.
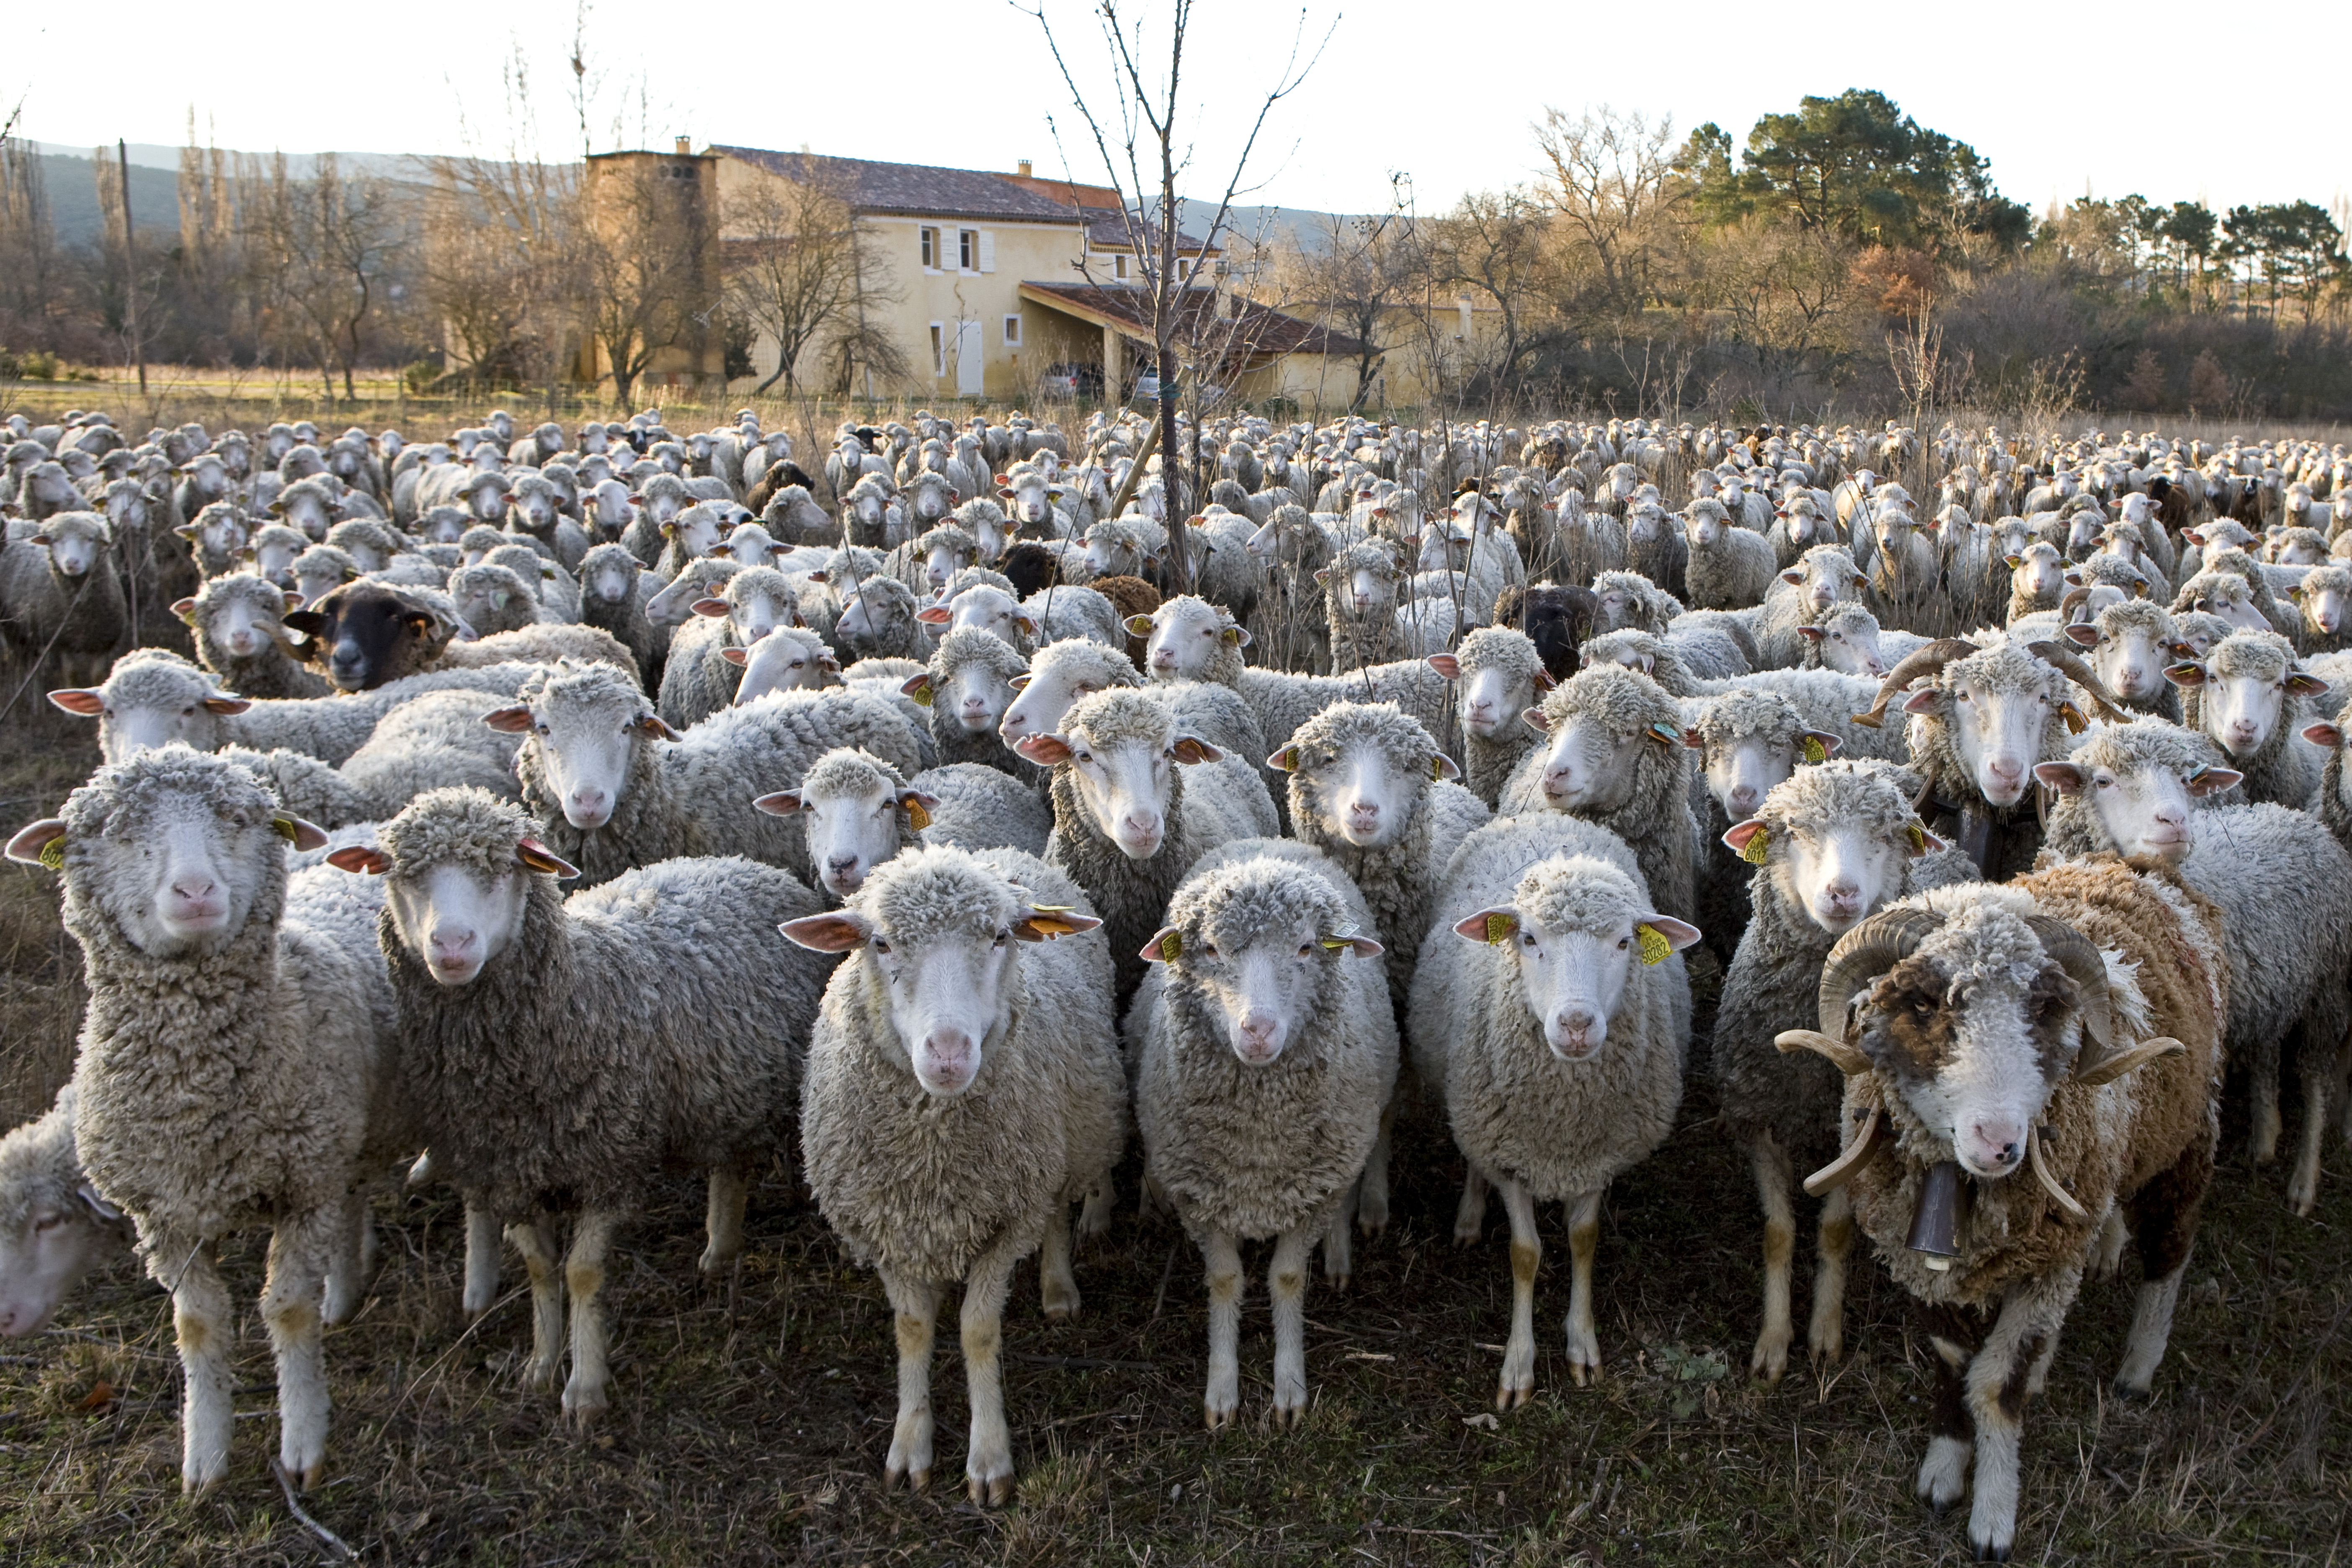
(2079, 957)
(1864, 954)
(1928, 661)
(2074, 597)
(2070, 665)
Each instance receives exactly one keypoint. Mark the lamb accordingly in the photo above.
(1499, 677)
(2037, 580)
(1558, 1043)
(1614, 755)
(235, 1071)
(1360, 589)
(1370, 789)
(2248, 697)
(1824, 576)
(2129, 647)
(858, 811)
(61, 595)
(1729, 568)
(1256, 1028)
(2284, 888)
(967, 688)
(611, 600)
(1996, 1022)
(1749, 740)
(558, 1052)
(1832, 844)
(2323, 599)
(492, 599)
(942, 1047)
(1138, 798)
(54, 1226)
(608, 799)
(789, 658)
(1191, 639)
(243, 640)
(2223, 594)
(698, 678)
(1057, 677)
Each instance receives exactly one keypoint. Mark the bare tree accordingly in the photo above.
(799, 269)
(324, 246)
(646, 240)
(1136, 131)
(1355, 276)
(1490, 248)
(1613, 189)
(28, 240)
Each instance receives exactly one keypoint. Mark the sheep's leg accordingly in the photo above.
(2303, 1187)
(1095, 1215)
(1583, 1238)
(2263, 1088)
(1286, 1282)
(1470, 1216)
(1951, 1441)
(1774, 1176)
(583, 1275)
(1373, 1205)
(988, 1456)
(200, 1318)
(915, 1311)
(1517, 1384)
(2164, 1222)
(722, 1219)
(2001, 1376)
(1825, 1337)
(1338, 1254)
(1057, 1286)
(2107, 1250)
(299, 1249)
(1224, 1260)
(536, 1241)
(481, 1261)
(347, 1262)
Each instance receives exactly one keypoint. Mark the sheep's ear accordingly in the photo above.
(1322, 573)
(1446, 664)
(1166, 943)
(359, 861)
(309, 623)
(917, 805)
(2082, 635)
(784, 803)
(1792, 576)
(2323, 733)
(537, 857)
(1361, 946)
(304, 835)
(1138, 626)
(1043, 922)
(919, 687)
(1027, 628)
(1815, 745)
(508, 720)
(1489, 925)
(1658, 935)
(1544, 682)
(2073, 579)
(1192, 749)
(711, 608)
(935, 615)
(92, 1200)
(837, 930)
(1045, 750)
(818, 577)
(1813, 634)
(185, 609)
(40, 844)
(1921, 701)
(2188, 672)
(737, 656)
(1534, 719)
(2300, 684)
(1744, 834)
(226, 707)
(1020, 682)
(1693, 739)
(2213, 781)
(1442, 767)
(2066, 778)
(655, 725)
(2014, 561)
(1234, 636)
(85, 702)
(293, 599)
(1285, 761)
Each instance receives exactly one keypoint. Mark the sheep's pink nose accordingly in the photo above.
(451, 947)
(1844, 897)
(2006, 768)
(1998, 1144)
(195, 889)
(587, 808)
(1364, 813)
(1742, 804)
(841, 871)
(1142, 824)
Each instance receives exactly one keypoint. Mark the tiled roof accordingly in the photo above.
(1105, 230)
(913, 189)
(1240, 331)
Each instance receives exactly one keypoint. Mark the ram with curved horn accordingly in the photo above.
(2067, 1024)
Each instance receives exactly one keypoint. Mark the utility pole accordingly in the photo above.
(130, 265)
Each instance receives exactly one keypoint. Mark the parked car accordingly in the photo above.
(1071, 381)
(1146, 388)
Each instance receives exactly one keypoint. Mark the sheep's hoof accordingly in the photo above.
(1988, 1551)
(917, 1480)
(1770, 1358)
(1467, 1235)
(1338, 1281)
(1509, 1398)
(2132, 1393)
(1219, 1419)
(1582, 1373)
(1060, 1312)
(714, 1263)
(994, 1491)
(539, 1375)
(583, 1406)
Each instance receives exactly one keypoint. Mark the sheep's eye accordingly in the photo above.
(189, 712)
(49, 1222)
(1526, 939)
(1002, 938)
(881, 947)
(1306, 949)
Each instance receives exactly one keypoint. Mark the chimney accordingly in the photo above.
(686, 146)
(1023, 167)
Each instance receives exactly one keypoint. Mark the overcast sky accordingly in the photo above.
(2156, 97)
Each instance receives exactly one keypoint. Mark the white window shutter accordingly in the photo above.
(988, 251)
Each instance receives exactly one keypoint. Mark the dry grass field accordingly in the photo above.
(752, 1415)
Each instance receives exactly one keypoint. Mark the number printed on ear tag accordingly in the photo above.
(53, 853)
(1498, 928)
(1754, 852)
(1654, 946)
(1814, 751)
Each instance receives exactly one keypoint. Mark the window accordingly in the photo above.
(1184, 269)
(1012, 331)
(967, 250)
(939, 345)
(930, 249)
(1119, 267)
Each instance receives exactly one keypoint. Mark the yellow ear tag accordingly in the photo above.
(1919, 836)
(1437, 767)
(1171, 947)
(1655, 947)
(922, 694)
(283, 827)
(916, 818)
(1664, 735)
(1332, 943)
(1814, 751)
(1498, 928)
(53, 853)
(1230, 637)
(2075, 722)
(1753, 854)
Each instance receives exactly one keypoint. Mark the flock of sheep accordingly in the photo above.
(944, 839)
